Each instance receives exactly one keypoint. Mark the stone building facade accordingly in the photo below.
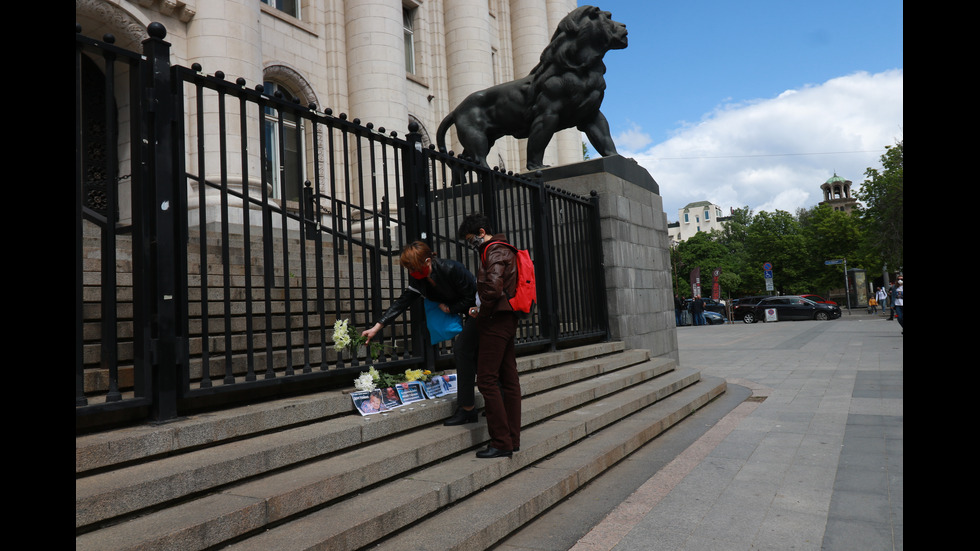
(387, 62)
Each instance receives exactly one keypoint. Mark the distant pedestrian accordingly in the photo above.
(891, 301)
(872, 305)
(881, 297)
(697, 310)
(898, 301)
(678, 306)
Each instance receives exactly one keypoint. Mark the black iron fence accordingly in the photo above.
(222, 230)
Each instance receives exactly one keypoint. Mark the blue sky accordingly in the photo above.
(755, 103)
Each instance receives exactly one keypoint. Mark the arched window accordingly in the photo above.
(284, 163)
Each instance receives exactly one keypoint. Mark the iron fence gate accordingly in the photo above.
(247, 224)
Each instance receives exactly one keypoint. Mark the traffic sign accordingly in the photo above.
(829, 262)
(767, 266)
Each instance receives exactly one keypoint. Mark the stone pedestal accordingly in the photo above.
(635, 249)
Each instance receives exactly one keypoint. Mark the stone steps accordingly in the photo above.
(311, 472)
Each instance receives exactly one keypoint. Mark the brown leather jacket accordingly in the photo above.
(496, 280)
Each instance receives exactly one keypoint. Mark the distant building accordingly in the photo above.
(694, 217)
(837, 194)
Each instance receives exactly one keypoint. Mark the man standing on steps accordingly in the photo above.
(496, 364)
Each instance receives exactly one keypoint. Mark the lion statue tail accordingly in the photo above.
(443, 128)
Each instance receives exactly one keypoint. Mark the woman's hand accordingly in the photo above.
(444, 308)
(370, 333)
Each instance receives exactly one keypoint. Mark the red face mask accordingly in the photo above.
(421, 274)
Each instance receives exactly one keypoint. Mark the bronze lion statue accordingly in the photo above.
(564, 90)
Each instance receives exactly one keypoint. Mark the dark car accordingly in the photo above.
(714, 318)
(741, 306)
(791, 308)
(819, 299)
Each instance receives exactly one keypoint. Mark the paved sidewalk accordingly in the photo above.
(809, 458)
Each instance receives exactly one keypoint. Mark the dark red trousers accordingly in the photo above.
(496, 377)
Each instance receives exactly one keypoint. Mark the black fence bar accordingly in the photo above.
(286, 221)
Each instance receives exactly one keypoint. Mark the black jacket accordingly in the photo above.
(448, 283)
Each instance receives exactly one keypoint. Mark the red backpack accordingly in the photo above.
(526, 294)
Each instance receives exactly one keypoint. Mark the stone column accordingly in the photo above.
(225, 36)
(567, 144)
(376, 81)
(635, 249)
(375, 55)
(531, 31)
(469, 62)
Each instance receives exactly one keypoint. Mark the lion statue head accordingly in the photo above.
(564, 90)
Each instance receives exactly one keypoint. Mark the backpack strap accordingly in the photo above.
(485, 249)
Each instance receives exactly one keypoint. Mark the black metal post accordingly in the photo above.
(418, 215)
(544, 267)
(159, 129)
(600, 291)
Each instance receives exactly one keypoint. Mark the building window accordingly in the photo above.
(707, 215)
(408, 20)
(686, 218)
(290, 7)
(283, 164)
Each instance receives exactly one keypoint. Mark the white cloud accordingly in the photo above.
(774, 153)
(633, 139)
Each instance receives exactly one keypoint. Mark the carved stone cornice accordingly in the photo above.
(171, 8)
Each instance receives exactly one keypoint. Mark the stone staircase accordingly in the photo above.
(311, 473)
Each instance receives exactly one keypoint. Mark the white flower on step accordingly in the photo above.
(364, 382)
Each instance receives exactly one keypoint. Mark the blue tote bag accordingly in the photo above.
(442, 326)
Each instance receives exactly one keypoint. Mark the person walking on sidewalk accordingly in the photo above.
(496, 364)
(678, 307)
(880, 298)
(891, 301)
(898, 301)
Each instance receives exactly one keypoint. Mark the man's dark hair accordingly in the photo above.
(473, 223)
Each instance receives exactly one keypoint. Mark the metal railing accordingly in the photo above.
(254, 223)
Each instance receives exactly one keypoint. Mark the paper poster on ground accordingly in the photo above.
(410, 392)
(369, 402)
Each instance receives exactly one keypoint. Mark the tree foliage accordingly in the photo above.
(882, 194)
(798, 245)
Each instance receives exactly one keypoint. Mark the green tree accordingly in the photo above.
(884, 213)
(738, 271)
(830, 234)
(700, 251)
(778, 238)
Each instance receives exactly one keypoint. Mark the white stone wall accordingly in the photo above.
(348, 55)
(696, 222)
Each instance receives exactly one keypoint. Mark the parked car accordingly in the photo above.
(819, 299)
(745, 304)
(791, 307)
(714, 318)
